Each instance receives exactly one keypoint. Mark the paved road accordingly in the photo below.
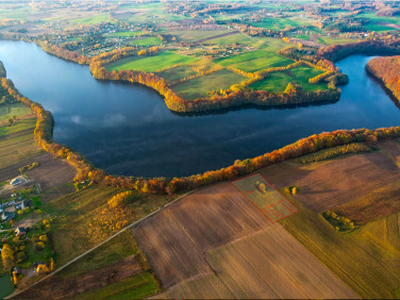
(16, 293)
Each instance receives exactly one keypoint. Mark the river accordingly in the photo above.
(127, 129)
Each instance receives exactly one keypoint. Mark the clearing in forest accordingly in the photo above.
(265, 197)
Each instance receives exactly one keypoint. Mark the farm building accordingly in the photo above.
(7, 216)
(16, 181)
(20, 231)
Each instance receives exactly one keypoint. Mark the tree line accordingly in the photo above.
(387, 70)
(87, 171)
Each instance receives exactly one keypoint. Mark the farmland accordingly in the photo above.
(277, 233)
(150, 64)
(255, 61)
(198, 87)
(201, 251)
(277, 81)
(121, 257)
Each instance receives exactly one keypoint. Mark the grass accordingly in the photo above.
(331, 41)
(281, 23)
(118, 248)
(6, 286)
(125, 34)
(198, 87)
(75, 212)
(195, 35)
(70, 226)
(277, 81)
(366, 259)
(136, 287)
(239, 38)
(150, 63)
(333, 152)
(255, 61)
(92, 19)
(17, 143)
(14, 109)
(150, 41)
(177, 73)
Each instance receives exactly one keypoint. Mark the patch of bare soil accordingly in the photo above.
(176, 239)
(339, 181)
(57, 287)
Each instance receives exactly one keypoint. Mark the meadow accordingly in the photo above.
(147, 41)
(198, 87)
(17, 143)
(151, 63)
(255, 61)
(14, 109)
(195, 35)
(277, 81)
(134, 287)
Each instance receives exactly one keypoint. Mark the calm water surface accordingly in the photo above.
(127, 129)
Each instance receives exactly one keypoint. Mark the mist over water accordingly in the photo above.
(127, 129)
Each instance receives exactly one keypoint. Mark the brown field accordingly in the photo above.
(269, 264)
(52, 175)
(63, 287)
(176, 239)
(199, 247)
(329, 184)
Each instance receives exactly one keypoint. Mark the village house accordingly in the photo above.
(20, 231)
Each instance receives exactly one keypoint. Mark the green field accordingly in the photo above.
(92, 19)
(277, 81)
(150, 41)
(255, 61)
(267, 199)
(125, 34)
(239, 38)
(195, 35)
(6, 286)
(366, 259)
(177, 73)
(118, 248)
(282, 23)
(136, 287)
(150, 63)
(198, 87)
(76, 211)
(15, 109)
(374, 19)
(17, 143)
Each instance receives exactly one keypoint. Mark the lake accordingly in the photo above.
(127, 129)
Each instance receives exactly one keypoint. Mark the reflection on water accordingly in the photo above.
(127, 129)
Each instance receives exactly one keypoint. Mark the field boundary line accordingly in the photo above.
(14, 294)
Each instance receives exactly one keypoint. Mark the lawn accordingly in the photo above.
(92, 19)
(150, 63)
(6, 286)
(195, 35)
(177, 73)
(366, 259)
(136, 287)
(125, 34)
(149, 41)
(239, 38)
(15, 109)
(198, 87)
(17, 143)
(281, 23)
(277, 81)
(255, 61)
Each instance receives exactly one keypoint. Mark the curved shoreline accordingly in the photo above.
(86, 170)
